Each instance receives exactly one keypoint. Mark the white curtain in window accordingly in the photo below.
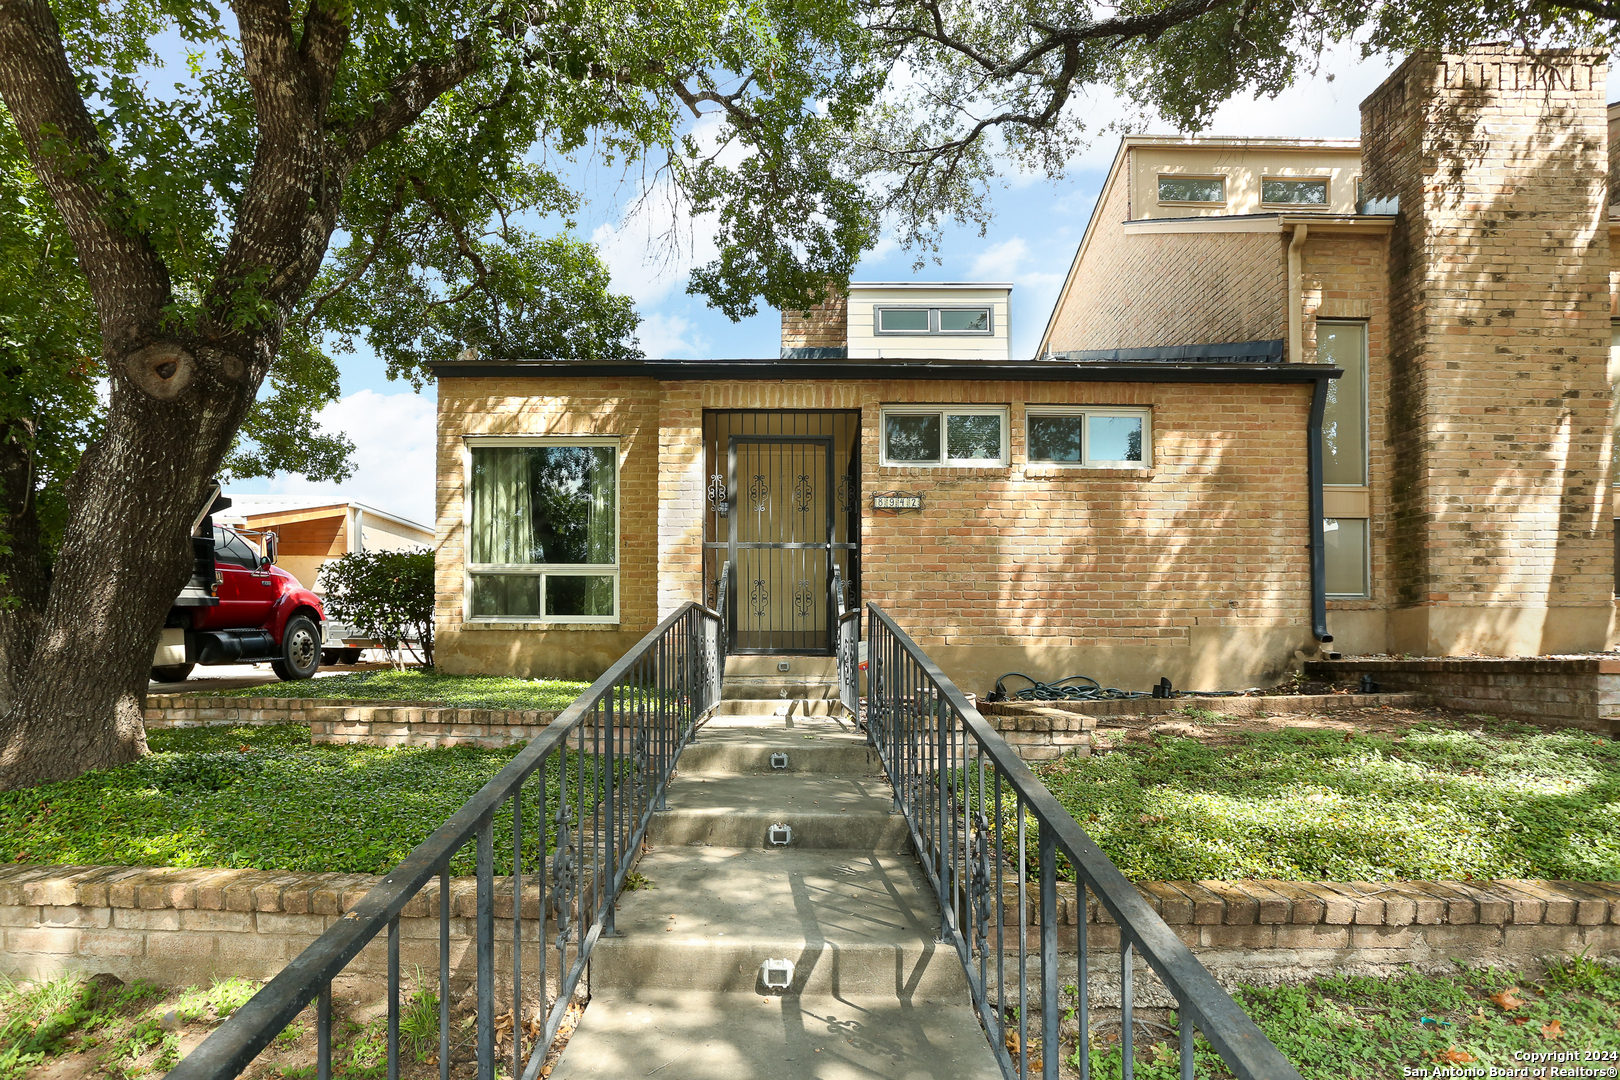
(503, 514)
(599, 526)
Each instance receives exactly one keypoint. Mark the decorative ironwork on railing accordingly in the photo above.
(847, 646)
(976, 814)
(591, 783)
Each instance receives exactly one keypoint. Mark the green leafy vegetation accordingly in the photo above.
(428, 686)
(39, 1020)
(1475, 799)
(387, 595)
(259, 797)
(1372, 1029)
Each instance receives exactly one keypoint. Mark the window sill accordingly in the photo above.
(943, 470)
(535, 624)
(1050, 471)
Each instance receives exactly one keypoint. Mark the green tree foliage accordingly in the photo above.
(386, 595)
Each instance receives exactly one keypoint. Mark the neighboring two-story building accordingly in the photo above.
(1290, 392)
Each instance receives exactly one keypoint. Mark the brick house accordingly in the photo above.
(1291, 392)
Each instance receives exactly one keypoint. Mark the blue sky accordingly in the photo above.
(1038, 224)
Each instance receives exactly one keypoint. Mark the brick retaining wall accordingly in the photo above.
(1581, 693)
(186, 926)
(366, 723)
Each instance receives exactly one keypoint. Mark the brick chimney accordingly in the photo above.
(821, 333)
(1499, 529)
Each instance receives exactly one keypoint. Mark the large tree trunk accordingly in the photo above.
(125, 555)
(24, 578)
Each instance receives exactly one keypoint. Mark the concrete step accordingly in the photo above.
(735, 757)
(852, 923)
(829, 812)
(792, 725)
(772, 706)
(802, 667)
(688, 1035)
(771, 687)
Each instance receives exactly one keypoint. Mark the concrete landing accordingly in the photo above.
(690, 1035)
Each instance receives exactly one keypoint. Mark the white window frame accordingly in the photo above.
(933, 320)
(944, 411)
(540, 570)
(1086, 461)
(1226, 195)
(1325, 179)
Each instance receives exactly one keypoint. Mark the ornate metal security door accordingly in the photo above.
(781, 494)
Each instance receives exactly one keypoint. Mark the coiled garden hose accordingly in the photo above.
(1085, 688)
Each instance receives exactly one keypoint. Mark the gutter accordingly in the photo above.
(1318, 541)
(1313, 429)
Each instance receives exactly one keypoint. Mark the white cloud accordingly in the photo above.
(670, 336)
(394, 446)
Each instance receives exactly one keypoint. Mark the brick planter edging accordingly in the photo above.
(185, 926)
(356, 721)
(1230, 706)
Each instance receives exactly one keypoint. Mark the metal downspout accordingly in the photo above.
(1313, 458)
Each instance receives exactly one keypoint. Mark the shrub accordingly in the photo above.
(387, 595)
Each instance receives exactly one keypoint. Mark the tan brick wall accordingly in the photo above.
(1499, 401)
(824, 326)
(1200, 560)
(628, 408)
(1582, 694)
(1345, 276)
(1143, 291)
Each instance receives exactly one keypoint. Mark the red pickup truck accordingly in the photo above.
(238, 607)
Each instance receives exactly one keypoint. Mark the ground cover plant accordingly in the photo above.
(257, 797)
(1451, 797)
(71, 1027)
(429, 687)
(1411, 1024)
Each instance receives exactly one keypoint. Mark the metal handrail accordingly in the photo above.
(607, 761)
(969, 801)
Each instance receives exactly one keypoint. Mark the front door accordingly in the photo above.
(781, 494)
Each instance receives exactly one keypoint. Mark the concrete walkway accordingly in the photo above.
(681, 994)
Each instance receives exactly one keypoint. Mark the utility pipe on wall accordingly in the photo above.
(1313, 431)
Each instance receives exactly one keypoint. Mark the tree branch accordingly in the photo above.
(128, 279)
(407, 97)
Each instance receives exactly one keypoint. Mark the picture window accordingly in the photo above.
(1345, 557)
(543, 530)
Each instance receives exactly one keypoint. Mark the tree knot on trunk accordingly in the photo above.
(161, 371)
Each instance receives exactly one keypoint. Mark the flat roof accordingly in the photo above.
(1185, 371)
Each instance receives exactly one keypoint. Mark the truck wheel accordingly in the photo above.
(300, 650)
(172, 672)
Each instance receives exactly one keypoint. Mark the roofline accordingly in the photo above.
(1268, 142)
(1150, 371)
(342, 504)
(931, 285)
